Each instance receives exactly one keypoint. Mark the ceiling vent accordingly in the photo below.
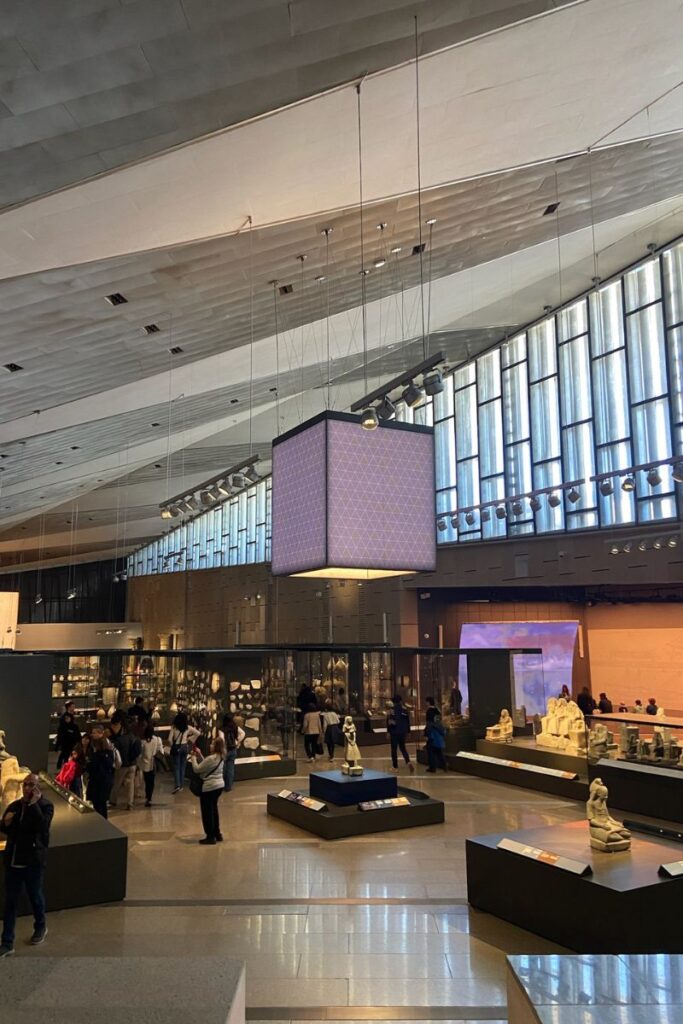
(116, 299)
(176, 350)
(417, 249)
(13, 367)
(550, 209)
(286, 289)
(151, 328)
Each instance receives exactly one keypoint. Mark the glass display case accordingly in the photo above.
(647, 740)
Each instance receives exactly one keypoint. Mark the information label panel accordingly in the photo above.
(305, 801)
(536, 769)
(555, 860)
(377, 805)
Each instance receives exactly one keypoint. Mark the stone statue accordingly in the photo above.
(502, 731)
(351, 765)
(606, 834)
(563, 727)
(4, 753)
(600, 742)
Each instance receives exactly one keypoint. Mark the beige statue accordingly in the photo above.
(351, 765)
(563, 726)
(606, 834)
(502, 731)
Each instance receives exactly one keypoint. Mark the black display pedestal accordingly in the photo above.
(247, 768)
(624, 906)
(346, 790)
(87, 860)
(524, 751)
(656, 792)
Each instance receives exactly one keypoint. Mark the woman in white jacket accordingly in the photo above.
(151, 747)
(210, 768)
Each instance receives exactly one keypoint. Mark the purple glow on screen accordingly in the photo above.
(536, 677)
(352, 498)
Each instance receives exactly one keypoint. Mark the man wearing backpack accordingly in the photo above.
(398, 727)
(129, 749)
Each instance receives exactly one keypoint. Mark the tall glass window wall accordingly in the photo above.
(237, 532)
(594, 388)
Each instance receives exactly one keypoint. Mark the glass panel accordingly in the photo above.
(607, 320)
(610, 393)
(447, 501)
(466, 422)
(575, 377)
(542, 350)
(642, 285)
(676, 364)
(573, 320)
(673, 282)
(582, 520)
(579, 463)
(444, 448)
(518, 466)
(423, 415)
(652, 433)
(548, 519)
(468, 483)
(463, 376)
(516, 403)
(443, 403)
(514, 350)
(545, 421)
(653, 509)
(488, 375)
(491, 490)
(491, 435)
(619, 506)
(646, 360)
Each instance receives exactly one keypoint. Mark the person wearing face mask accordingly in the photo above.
(26, 823)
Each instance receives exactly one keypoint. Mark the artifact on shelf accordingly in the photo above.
(563, 727)
(351, 765)
(607, 835)
(600, 742)
(501, 732)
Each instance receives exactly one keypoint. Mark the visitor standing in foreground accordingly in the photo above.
(181, 739)
(398, 727)
(210, 770)
(26, 823)
(233, 738)
(152, 747)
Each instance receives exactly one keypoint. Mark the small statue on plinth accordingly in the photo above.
(606, 834)
(501, 732)
(352, 765)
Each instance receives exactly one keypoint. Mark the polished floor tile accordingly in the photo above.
(374, 965)
(413, 992)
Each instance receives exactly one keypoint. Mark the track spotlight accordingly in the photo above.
(237, 481)
(678, 472)
(517, 508)
(71, 594)
(573, 495)
(166, 513)
(469, 518)
(535, 503)
(554, 499)
(252, 474)
(614, 550)
(206, 498)
(501, 511)
(485, 515)
(174, 510)
(606, 488)
(433, 382)
(627, 548)
(215, 493)
(672, 542)
(115, 579)
(658, 544)
(369, 419)
(441, 525)
(454, 521)
(39, 599)
(653, 478)
(380, 263)
(386, 410)
(642, 546)
(413, 395)
(192, 503)
(628, 484)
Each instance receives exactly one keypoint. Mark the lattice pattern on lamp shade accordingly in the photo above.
(353, 502)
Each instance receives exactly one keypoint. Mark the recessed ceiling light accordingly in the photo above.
(115, 299)
(234, 401)
(176, 350)
(13, 367)
(75, 447)
(154, 424)
(551, 208)
(59, 463)
(286, 289)
(151, 329)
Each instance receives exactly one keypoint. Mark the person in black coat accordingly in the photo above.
(586, 702)
(100, 769)
(26, 823)
(398, 727)
(68, 735)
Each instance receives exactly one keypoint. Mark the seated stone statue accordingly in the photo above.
(501, 732)
(606, 834)
(563, 726)
(600, 742)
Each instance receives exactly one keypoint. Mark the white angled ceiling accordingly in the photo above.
(104, 423)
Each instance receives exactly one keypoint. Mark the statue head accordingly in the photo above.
(552, 705)
(348, 720)
(505, 715)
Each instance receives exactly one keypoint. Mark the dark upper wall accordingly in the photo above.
(98, 597)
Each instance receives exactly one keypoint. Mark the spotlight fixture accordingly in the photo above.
(469, 518)
(39, 599)
(191, 503)
(517, 508)
(320, 278)
(237, 481)
(454, 521)
(431, 221)
(441, 525)
(71, 595)
(614, 550)
(485, 515)
(369, 419)
(606, 488)
(554, 499)
(206, 498)
(627, 548)
(386, 410)
(379, 263)
(166, 513)
(224, 487)
(535, 503)
(658, 544)
(215, 493)
(501, 511)
(433, 382)
(642, 546)
(252, 475)
(573, 495)
(628, 484)
(672, 542)
(115, 579)
(174, 510)
(413, 396)
(653, 478)
(396, 250)
(678, 472)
